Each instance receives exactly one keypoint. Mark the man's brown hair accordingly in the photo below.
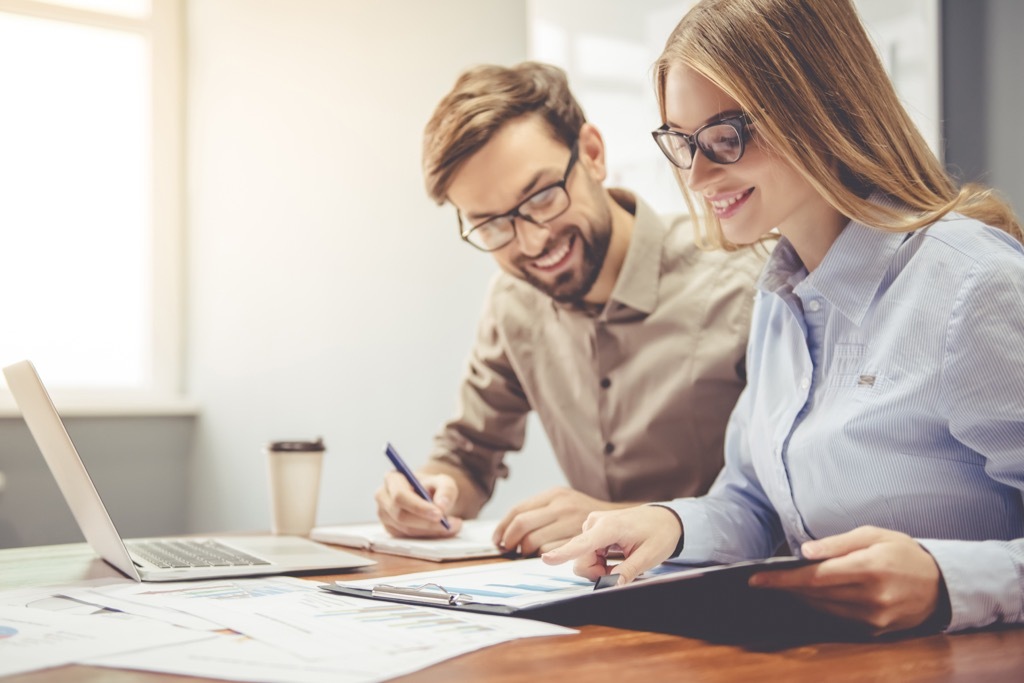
(484, 99)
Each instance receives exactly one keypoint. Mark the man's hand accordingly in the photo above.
(404, 513)
(646, 535)
(880, 577)
(548, 520)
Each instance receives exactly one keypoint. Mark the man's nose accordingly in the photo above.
(531, 237)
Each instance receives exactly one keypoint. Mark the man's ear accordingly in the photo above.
(591, 151)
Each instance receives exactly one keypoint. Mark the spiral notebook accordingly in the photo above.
(473, 541)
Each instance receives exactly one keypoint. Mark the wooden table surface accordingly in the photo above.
(600, 653)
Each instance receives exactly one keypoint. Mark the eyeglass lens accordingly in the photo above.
(720, 142)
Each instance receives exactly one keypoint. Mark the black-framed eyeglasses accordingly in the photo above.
(721, 141)
(543, 206)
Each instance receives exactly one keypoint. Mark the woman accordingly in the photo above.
(882, 428)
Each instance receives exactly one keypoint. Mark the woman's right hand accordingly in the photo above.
(646, 535)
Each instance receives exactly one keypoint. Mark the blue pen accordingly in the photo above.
(400, 465)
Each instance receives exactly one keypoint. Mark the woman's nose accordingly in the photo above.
(700, 170)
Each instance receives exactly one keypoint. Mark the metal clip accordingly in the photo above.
(430, 593)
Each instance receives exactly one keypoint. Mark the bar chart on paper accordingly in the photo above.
(224, 590)
(518, 584)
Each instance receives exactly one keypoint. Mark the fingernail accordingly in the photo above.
(756, 580)
(811, 549)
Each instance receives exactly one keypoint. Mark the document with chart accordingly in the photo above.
(529, 588)
(300, 632)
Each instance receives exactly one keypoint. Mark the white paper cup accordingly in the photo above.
(294, 474)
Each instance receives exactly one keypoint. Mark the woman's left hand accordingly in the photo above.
(880, 577)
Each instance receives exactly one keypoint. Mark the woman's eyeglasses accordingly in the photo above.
(721, 141)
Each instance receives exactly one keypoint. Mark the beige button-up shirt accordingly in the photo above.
(634, 397)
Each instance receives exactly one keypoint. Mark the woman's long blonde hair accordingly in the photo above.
(807, 74)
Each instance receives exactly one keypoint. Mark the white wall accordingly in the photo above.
(327, 295)
(608, 49)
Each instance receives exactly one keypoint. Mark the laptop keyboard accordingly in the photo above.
(180, 553)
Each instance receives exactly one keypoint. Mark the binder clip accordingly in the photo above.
(428, 593)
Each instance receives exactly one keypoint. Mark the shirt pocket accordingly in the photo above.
(854, 375)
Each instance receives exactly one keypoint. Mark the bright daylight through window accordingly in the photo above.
(90, 142)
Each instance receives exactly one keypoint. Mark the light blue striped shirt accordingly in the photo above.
(884, 388)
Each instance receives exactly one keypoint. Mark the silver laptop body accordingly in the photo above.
(245, 555)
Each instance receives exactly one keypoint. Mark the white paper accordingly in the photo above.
(111, 597)
(306, 635)
(32, 639)
(295, 615)
(239, 659)
(245, 659)
(48, 599)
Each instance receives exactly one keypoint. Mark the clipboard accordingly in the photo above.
(710, 602)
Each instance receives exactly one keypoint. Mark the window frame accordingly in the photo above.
(163, 28)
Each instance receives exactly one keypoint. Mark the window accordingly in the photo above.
(608, 49)
(90, 166)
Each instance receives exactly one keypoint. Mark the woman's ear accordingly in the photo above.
(591, 152)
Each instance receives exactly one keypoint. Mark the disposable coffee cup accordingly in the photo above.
(294, 473)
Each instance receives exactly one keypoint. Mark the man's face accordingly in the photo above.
(563, 256)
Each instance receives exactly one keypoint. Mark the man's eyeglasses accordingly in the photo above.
(721, 141)
(541, 207)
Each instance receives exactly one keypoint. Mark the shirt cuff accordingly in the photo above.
(682, 531)
(982, 582)
(698, 543)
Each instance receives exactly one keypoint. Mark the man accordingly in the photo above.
(625, 338)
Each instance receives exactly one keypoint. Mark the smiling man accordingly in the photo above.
(608, 321)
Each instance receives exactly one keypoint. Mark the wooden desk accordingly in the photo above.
(600, 653)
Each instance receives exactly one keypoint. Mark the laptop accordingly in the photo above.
(156, 559)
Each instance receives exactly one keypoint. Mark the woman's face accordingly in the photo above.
(752, 196)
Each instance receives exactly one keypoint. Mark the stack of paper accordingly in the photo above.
(283, 630)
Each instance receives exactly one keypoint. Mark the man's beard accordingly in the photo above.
(566, 288)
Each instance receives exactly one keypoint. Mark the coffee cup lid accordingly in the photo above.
(299, 446)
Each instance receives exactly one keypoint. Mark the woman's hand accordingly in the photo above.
(646, 536)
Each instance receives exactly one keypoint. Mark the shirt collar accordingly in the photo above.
(852, 270)
(637, 284)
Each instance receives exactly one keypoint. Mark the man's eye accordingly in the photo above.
(495, 225)
(541, 199)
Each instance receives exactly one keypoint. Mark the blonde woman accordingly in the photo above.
(882, 428)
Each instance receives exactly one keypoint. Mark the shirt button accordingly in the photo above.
(605, 382)
(814, 306)
(804, 383)
(608, 448)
